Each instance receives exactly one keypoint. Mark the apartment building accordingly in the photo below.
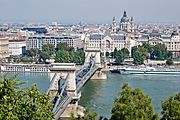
(39, 41)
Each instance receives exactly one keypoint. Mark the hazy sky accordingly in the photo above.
(91, 11)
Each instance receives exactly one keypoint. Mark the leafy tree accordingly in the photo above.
(159, 52)
(23, 104)
(46, 52)
(140, 55)
(169, 55)
(62, 46)
(107, 54)
(169, 62)
(125, 52)
(44, 56)
(87, 116)
(113, 54)
(62, 56)
(171, 108)
(48, 48)
(32, 52)
(133, 50)
(132, 104)
(138, 58)
(70, 56)
(119, 56)
(148, 46)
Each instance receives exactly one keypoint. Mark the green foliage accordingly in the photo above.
(133, 50)
(107, 54)
(171, 108)
(46, 52)
(169, 62)
(70, 57)
(119, 56)
(113, 54)
(140, 55)
(65, 54)
(32, 52)
(62, 46)
(26, 60)
(26, 104)
(132, 104)
(48, 48)
(148, 47)
(87, 116)
(159, 52)
(125, 52)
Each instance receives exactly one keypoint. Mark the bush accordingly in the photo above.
(169, 62)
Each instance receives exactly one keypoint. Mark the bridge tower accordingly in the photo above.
(64, 71)
(89, 52)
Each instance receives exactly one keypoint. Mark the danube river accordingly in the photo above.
(99, 95)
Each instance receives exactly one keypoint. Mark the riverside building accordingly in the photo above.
(172, 42)
(38, 41)
(4, 47)
(17, 44)
(107, 43)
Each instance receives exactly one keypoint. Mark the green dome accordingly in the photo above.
(124, 18)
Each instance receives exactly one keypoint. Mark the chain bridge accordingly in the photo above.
(66, 83)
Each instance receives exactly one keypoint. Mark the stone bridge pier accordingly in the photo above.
(99, 75)
(66, 71)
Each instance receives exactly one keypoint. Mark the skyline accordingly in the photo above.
(86, 11)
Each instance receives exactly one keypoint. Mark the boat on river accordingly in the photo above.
(149, 70)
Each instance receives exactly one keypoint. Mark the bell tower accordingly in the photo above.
(113, 27)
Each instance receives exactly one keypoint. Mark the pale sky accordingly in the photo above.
(91, 11)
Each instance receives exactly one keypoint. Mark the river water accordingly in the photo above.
(99, 95)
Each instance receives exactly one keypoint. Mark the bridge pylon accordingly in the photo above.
(64, 71)
(89, 52)
(93, 53)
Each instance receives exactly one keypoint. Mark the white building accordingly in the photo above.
(39, 41)
(16, 47)
(4, 47)
(107, 43)
(172, 42)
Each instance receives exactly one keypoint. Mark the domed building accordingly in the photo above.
(126, 25)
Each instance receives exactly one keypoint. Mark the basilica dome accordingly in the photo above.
(124, 18)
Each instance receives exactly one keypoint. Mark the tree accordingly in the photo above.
(132, 104)
(70, 56)
(48, 48)
(138, 58)
(62, 46)
(113, 54)
(107, 54)
(140, 55)
(32, 52)
(119, 56)
(44, 56)
(169, 62)
(125, 52)
(170, 55)
(159, 52)
(46, 52)
(133, 50)
(23, 104)
(148, 46)
(87, 116)
(171, 108)
(62, 56)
